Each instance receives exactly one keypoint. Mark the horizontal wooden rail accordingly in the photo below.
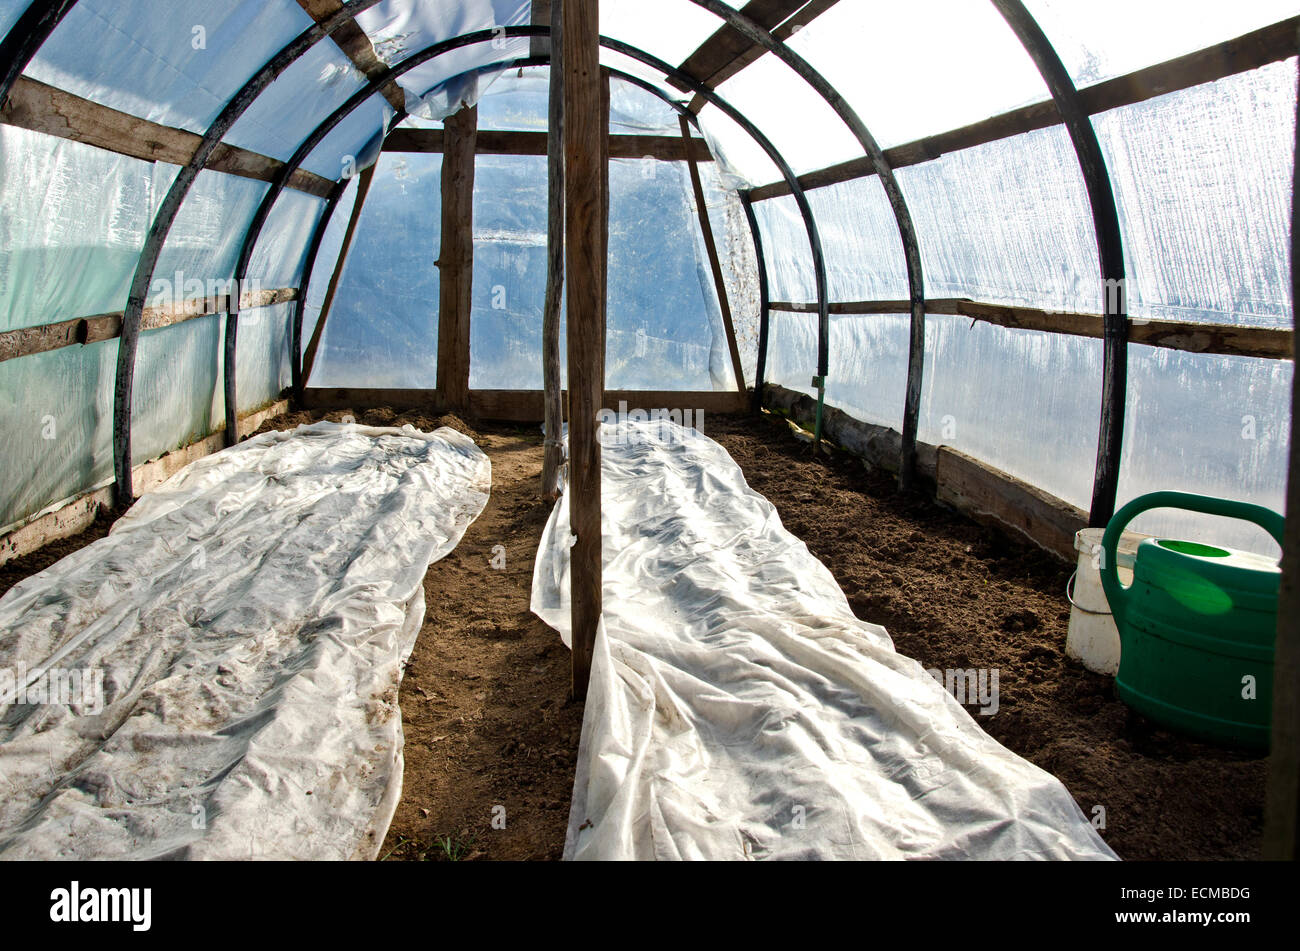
(522, 405)
(356, 46)
(37, 107)
(1272, 343)
(726, 45)
(1251, 51)
(83, 330)
(668, 148)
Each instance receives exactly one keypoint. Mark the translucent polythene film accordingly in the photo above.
(382, 329)
(739, 710)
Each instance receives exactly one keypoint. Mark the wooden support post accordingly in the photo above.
(715, 263)
(1282, 799)
(456, 258)
(553, 457)
(363, 189)
(585, 133)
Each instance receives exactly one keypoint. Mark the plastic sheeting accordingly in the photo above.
(737, 709)
(248, 622)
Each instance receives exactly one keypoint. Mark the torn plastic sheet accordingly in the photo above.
(738, 709)
(248, 622)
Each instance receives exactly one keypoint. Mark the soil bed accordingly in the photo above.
(491, 734)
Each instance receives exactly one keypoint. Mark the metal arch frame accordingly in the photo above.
(26, 37)
(165, 217)
(445, 46)
(760, 371)
(906, 229)
(304, 283)
(1110, 251)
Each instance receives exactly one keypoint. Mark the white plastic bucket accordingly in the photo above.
(1093, 639)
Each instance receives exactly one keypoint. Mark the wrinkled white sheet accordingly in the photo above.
(251, 617)
(738, 709)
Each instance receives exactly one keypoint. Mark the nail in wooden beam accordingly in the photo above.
(586, 129)
(363, 189)
(715, 263)
(456, 257)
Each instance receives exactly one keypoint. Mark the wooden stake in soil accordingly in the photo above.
(553, 459)
(585, 131)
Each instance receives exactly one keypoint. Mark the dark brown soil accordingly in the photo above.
(485, 699)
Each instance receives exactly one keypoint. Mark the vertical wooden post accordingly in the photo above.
(1282, 799)
(585, 135)
(553, 412)
(456, 257)
(711, 248)
(363, 189)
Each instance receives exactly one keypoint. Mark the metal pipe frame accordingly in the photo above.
(438, 49)
(304, 283)
(1110, 250)
(26, 37)
(760, 371)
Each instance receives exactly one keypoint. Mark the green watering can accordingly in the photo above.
(1197, 625)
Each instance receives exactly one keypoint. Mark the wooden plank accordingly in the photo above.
(456, 258)
(75, 515)
(1282, 793)
(86, 330)
(715, 263)
(726, 45)
(313, 346)
(521, 406)
(356, 45)
(37, 107)
(552, 313)
(1242, 54)
(755, 52)
(667, 148)
(1269, 343)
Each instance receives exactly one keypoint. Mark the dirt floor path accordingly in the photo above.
(491, 737)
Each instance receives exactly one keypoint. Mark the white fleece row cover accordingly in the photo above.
(739, 710)
(250, 619)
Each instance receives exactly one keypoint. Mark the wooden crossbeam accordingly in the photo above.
(1272, 343)
(754, 52)
(1251, 51)
(37, 107)
(726, 45)
(667, 148)
(85, 330)
(356, 45)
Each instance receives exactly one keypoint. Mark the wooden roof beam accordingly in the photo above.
(356, 45)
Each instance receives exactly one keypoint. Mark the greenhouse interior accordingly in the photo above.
(600, 429)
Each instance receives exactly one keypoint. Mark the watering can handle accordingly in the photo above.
(1116, 593)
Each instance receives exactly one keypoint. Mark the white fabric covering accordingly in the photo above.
(733, 692)
(251, 618)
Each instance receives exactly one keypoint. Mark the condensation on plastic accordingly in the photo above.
(860, 241)
(787, 251)
(177, 64)
(382, 329)
(914, 69)
(74, 220)
(262, 370)
(1203, 183)
(1102, 39)
(1007, 222)
(515, 103)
